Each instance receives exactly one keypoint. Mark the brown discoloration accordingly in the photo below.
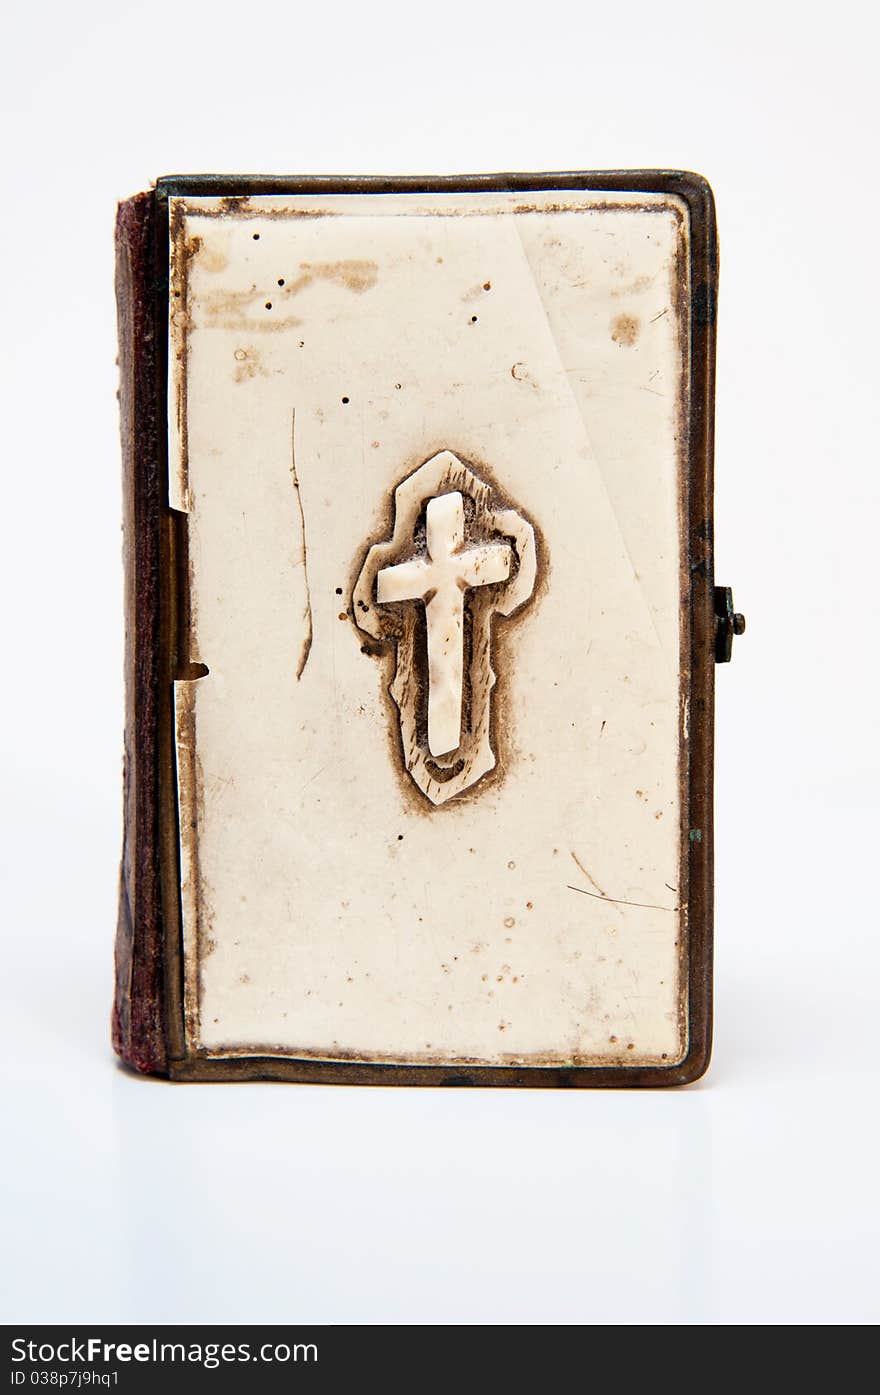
(476, 292)
(191, 807)
(248, 364)
(581, 868)
(261, 307)
(271, 1061)
(354, 275)
(520, 374)
(625, 330)
(604, 206)
(634, 287)
(184, 249)
(307, 611)
(245, 309)
(240, 206)
(212, 258)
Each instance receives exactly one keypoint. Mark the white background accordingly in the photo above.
(751, 1197)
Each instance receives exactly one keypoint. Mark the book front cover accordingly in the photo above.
(432, 452)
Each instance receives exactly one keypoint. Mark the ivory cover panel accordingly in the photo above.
(430, 447)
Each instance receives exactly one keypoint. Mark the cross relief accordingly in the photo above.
(452, 565)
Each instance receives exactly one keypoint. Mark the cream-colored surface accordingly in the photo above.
(328, 909)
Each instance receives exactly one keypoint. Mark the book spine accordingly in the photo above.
(139, 1028)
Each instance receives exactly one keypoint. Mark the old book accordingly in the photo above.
(422, 627)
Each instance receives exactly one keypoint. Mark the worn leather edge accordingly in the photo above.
(138, 1030)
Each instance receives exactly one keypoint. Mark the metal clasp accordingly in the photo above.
(728, 622)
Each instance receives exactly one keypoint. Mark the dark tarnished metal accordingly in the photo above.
(729, 622)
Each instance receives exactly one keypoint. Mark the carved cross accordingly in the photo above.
(477, 563)
(440, 581)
